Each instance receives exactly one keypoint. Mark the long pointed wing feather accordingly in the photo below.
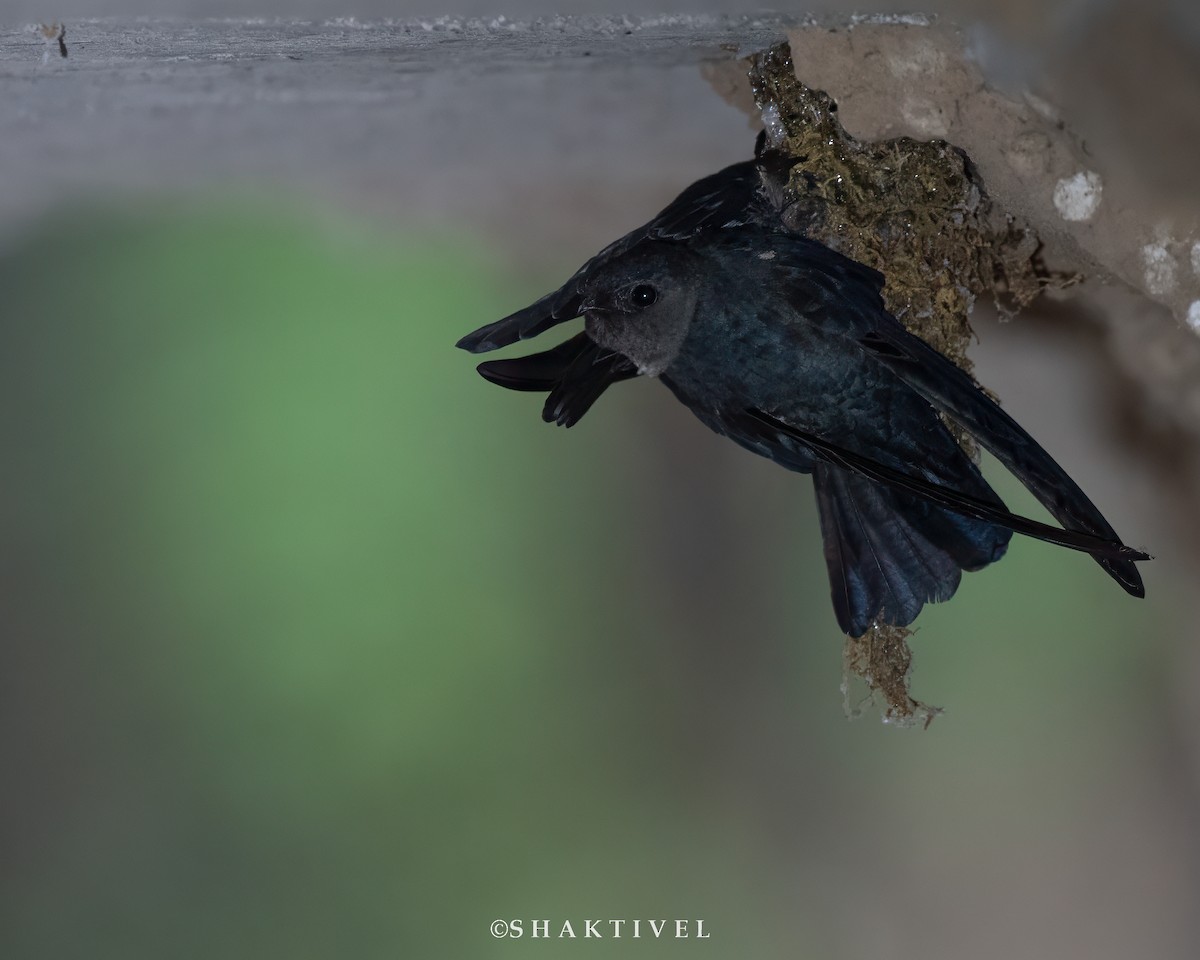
(953, 392)
(967, 505)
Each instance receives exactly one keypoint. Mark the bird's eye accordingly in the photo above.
(643, 295)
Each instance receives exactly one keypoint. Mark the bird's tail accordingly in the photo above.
(890, 552)
(574, 375)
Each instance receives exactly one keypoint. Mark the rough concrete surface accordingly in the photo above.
(448, 120)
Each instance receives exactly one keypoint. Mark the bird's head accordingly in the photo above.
(641, 303)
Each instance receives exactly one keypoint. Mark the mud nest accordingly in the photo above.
(918, 213)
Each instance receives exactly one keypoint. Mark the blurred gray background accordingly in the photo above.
(316, 644)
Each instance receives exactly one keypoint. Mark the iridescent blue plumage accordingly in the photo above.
(786, 347)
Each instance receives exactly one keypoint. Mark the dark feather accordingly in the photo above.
(538, 372)
(954, 500)
(882, 563)
(591, 373)
(574, 374)
(953, 392)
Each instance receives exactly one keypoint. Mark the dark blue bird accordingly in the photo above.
(785, 347)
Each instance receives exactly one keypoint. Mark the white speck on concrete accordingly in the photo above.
(1077, 198)
(1193, 315)
(1160, 268)
(1196, 258)
(767, 255)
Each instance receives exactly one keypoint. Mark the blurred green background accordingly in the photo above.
(317, 645)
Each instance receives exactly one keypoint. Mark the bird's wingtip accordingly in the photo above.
(477, 341)
(1128, 577)
(535, 319)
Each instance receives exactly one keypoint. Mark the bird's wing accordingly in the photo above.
(574, 374)
(954, 393)
(729, 198)
(770, 431)
(843, 298)
(800, 269)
